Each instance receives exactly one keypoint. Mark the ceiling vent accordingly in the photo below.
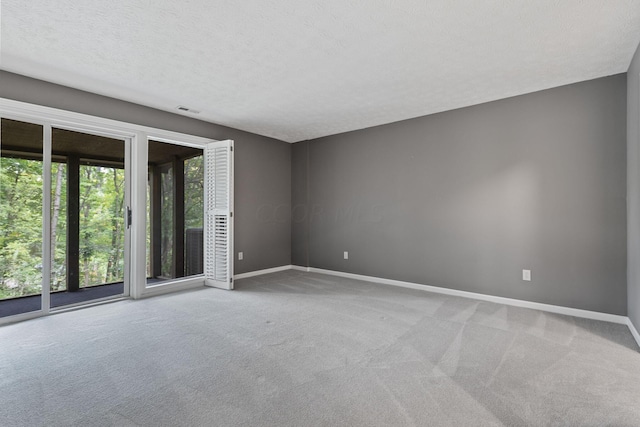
(187, 110)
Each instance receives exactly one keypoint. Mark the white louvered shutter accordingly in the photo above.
(218, 193)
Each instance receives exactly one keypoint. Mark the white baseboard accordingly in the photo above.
(576, 312)
(261, 272)
(568, 311)
(633, 330)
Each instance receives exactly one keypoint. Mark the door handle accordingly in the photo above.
(129, 217)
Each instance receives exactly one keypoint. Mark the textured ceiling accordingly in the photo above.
(297, 70)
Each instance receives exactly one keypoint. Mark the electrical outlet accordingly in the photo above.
(526, 275)
(346, 255)
(240, 256)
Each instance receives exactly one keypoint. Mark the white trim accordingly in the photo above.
(138, 204)
(568, 311)
(128, 255)
(232, 208)
(173, 285)
(576, 312)
(15, 318)
(261, 272)
(634, 331)
(92, 303)
(47, 255)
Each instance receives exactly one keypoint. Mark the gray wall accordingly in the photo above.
(633, 189)
(468, 198)
(262, 165)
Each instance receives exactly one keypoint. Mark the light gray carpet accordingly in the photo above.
(298, 349)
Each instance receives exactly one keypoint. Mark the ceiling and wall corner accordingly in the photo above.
(302, 70)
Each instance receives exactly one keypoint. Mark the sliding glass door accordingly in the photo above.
(88, 206)
(68, 235)
(63, 217)
(175, 212)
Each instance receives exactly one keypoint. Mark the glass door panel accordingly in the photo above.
(87, 217)
(175, 212)
(21, 189)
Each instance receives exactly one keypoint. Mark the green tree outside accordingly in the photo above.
(101, 223)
